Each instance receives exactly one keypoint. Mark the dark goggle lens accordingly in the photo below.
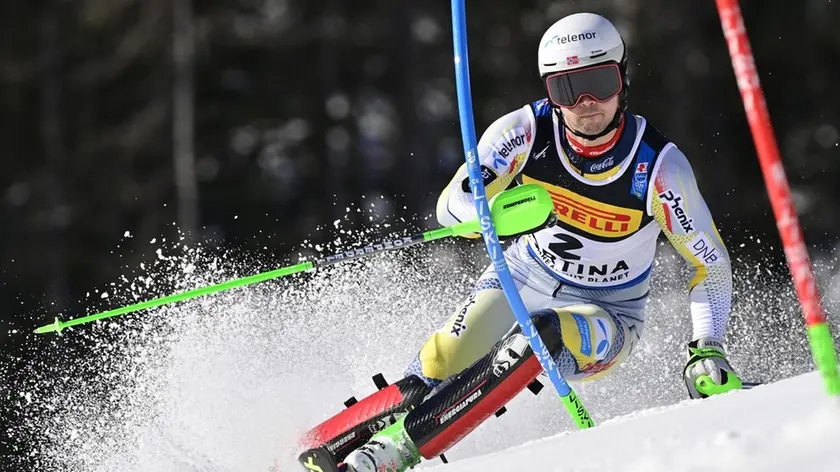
(600, 82)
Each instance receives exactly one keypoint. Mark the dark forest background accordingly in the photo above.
(248, 124)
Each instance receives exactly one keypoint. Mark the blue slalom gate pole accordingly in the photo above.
(488, 230)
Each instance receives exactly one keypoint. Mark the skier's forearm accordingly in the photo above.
(455, 203)
(685, 219)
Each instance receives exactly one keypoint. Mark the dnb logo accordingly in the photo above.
(591, 216)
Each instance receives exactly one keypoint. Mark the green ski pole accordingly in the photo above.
(516, 211)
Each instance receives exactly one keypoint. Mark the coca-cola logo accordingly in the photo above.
(603, 165)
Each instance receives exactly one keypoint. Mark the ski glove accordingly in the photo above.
(707, 371)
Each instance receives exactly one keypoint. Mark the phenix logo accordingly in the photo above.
(459, 325)
(676, 205)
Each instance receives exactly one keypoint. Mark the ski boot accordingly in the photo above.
(390, 450)
(332, 440)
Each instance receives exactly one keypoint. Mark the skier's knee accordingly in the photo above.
(593, 342)
(438, 358)
(547, 325)
(472, 330)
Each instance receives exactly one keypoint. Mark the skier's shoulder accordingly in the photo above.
(511, 135)
(521, 118)
(670, 161)
(650, 134)
(669, 156)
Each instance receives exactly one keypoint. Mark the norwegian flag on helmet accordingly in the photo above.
(572, 60)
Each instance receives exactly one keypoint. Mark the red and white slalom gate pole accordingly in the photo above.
(822, 343)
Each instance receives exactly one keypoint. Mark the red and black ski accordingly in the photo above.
(353, 426)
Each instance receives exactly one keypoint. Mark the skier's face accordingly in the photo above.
(590, 116)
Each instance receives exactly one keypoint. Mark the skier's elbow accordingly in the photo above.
(444, 216)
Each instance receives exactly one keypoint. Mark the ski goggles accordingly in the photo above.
(601, 82)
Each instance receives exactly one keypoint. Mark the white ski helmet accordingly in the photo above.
(580, 41)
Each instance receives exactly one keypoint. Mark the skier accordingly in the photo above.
(616, 183)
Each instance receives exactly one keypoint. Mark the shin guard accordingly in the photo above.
(464, 401)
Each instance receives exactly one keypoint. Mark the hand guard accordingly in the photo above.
(549, 222)
(707, 371)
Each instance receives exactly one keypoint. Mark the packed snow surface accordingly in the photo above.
(791, 425)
